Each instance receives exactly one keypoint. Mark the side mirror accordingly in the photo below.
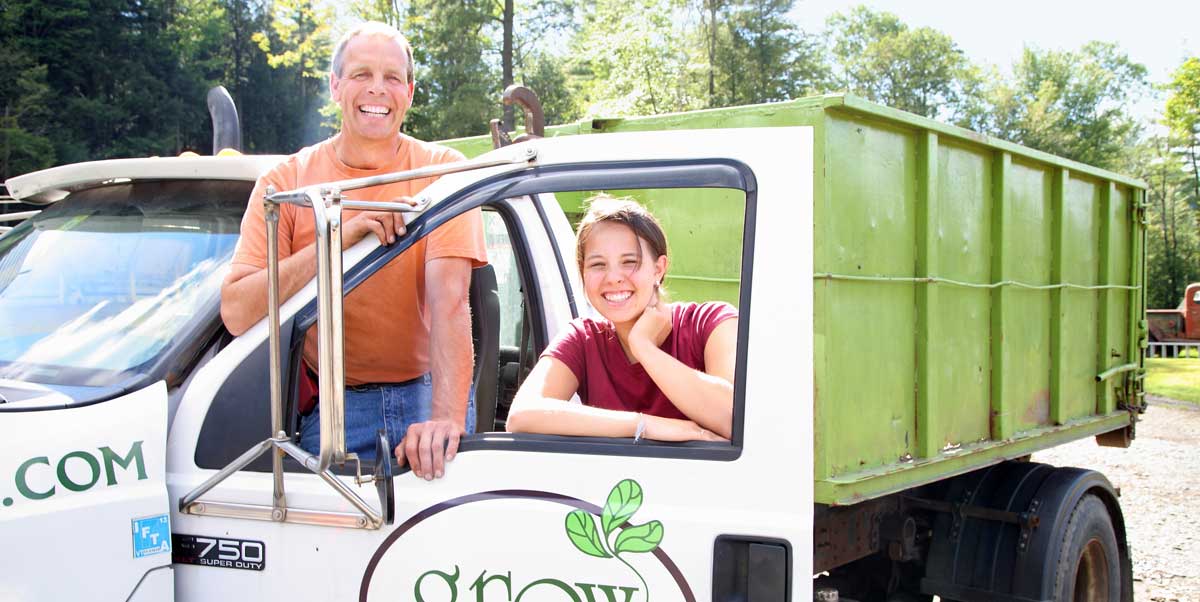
(384, 484)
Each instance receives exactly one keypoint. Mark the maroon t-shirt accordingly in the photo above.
(606, 377)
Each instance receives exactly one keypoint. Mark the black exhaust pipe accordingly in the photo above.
(227, 129)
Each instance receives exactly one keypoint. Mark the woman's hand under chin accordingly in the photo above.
(652, 327)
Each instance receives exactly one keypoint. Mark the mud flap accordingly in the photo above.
(83, 494)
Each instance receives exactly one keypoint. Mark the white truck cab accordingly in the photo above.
(137, 448)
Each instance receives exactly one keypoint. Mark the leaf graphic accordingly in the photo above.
(623, 501)
(581, 529)
(642, 538)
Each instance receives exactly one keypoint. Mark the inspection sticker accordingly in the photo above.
(151, 535)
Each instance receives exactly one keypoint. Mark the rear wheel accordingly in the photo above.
(1089, 564)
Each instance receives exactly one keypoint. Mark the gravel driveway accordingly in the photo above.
(1159, 480)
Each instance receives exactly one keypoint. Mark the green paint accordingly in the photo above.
(481, 582)
(929, 329)
(581, 529)
(451, 581)
(111, 458)
(610, 592)
(1058, 319)
(623, 502)
(88, 459)
(851, 489)
(23, 488)
(566, 589)
(8, 501)
(641, 538)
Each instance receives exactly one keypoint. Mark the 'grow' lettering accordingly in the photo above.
(446, 586)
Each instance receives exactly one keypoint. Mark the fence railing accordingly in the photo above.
(1174, 349)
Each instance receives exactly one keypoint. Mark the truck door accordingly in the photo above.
(525, 518)
(85, 513)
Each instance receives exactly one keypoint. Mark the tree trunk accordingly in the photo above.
(1195, 186)
(712, 53)
(506, 60)
(1168, 231)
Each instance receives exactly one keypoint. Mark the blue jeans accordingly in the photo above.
(371, 407)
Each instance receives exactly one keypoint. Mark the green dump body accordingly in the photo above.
(974, 300)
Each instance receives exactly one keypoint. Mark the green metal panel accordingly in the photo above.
(968, 291)
(1081, 249)
(1026, 329)
(871, 177)
(961, 355)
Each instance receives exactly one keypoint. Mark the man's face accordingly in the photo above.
(372, 89)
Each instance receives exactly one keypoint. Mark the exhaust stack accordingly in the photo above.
(227, 129)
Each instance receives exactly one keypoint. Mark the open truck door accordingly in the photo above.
(528, 517)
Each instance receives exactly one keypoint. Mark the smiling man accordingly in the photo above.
(408, 353)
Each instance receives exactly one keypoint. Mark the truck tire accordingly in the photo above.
(1089, 567)
(1072, 548)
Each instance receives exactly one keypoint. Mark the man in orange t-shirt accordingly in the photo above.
(408, 350)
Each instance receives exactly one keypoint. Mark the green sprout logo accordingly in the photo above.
(623, 501)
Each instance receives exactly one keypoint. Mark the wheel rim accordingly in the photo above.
(1091, 579)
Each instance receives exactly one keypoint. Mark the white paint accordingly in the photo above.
(79, 545)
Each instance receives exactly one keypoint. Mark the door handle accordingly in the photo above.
(751, 569)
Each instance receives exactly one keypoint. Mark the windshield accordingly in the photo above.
(100, 284)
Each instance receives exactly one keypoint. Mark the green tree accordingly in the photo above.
(298, 45)
(1075, 104)
(879, 57)
(466, 53)
(632, 58)
(754, 53)
(1183, 119)
(24, 108)
(1173, 240)
(528, 32)
(456, 84)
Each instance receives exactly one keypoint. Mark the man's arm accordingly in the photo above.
(429, 445)
(244, 290)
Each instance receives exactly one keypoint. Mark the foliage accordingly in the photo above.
(24, 138)
(1069, 103)
(1173, 252)
(1172, 239)
(456, 95)
(299, 41)
(1183, 107)
(1183, 119)
(753, 53)
(880, 58)
(632, 58)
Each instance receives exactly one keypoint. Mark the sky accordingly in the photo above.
(1156, 33)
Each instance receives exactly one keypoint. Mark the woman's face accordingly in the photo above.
(618, 279)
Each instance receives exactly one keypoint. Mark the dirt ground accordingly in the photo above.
(1159, 481)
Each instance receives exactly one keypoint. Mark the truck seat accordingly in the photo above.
(485, 336)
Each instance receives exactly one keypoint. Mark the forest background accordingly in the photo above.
(94, 79)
